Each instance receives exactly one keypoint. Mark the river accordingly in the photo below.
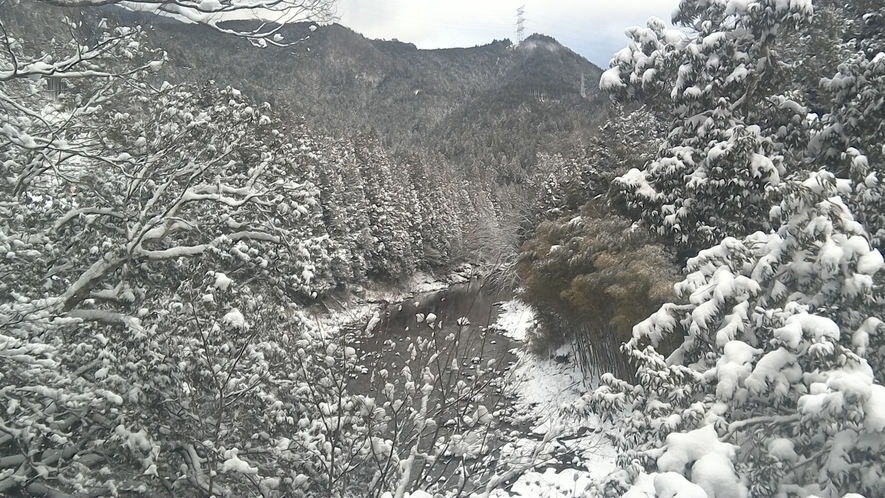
(449, 335)
(437, 315)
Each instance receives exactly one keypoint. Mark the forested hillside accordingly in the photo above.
(487, 110)
(486, 122)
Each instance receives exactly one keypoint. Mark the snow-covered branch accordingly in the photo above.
(69, 67)
(74, 213)
(187, 251)
(766, 419)
(104, 316)
(212, 12)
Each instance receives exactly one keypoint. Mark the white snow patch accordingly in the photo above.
(421, 283)
(550, 484)
(234, 464)
(515, 319)
(611, 79)
(782, 449)
(870, 263)
(685, 448)
(874, 409)
(711, 466)
(638, 181)
(673, 485)
(541, 387)
(373, 322)
(222, 281)
(234, 319)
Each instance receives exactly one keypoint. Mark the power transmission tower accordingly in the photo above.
(520, 24)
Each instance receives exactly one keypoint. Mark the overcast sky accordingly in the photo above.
(592, 28)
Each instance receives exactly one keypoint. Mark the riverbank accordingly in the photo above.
(363, 307)
(551, 456)
(576, 454)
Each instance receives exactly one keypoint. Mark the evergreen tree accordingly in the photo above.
(776, 384)
(852, 141)
(731, 117)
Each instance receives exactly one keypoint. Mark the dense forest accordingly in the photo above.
(184, 207)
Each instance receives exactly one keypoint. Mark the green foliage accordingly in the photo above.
(594, 268)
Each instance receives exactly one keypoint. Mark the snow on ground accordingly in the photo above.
(551, 484)
(515, 319)
(577, 454)
(542, 387)
(424, 282)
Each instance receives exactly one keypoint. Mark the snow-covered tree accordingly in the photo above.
(852, 140)
(270, 14)
(93, 56)
(155, 242)
(42, 134)
(733, 118)
(774, 387)
(136, 256)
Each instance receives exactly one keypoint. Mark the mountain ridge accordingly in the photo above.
(476, 108)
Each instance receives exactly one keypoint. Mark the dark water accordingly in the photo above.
(472, 339)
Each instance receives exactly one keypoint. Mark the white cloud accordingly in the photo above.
(594, 29)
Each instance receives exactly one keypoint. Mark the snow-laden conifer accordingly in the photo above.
(852, 140)
(776, 352)
(720, 81)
